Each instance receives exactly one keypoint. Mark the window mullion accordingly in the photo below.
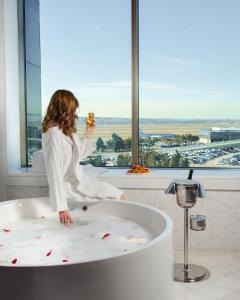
(135, 81)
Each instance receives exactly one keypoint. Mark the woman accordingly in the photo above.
(63, 150)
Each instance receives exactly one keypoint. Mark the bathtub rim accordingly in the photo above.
(165, 233)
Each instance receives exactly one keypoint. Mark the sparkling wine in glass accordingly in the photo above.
(90, 119)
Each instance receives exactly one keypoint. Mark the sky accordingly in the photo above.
(189, 56)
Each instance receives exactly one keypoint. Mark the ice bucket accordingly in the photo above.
(186, 195)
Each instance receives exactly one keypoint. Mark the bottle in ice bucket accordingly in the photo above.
(90, 119)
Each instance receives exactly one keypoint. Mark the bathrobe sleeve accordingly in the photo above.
(86, 147)
(54, 166)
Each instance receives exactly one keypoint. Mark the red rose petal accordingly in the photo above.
(65, 260)
(49, 253)
(6, 230)
(105, 235)
(14, 261)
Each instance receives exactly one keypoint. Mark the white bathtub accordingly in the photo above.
(143, 274)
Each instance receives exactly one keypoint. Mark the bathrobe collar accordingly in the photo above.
(67, 138)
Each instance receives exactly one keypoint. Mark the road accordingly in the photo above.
(218, 145)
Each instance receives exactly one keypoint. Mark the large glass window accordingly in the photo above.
(86, 48)
(189, 83)
(189, 67)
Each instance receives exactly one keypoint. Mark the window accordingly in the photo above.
(187, 80)
(87, 49)
(189, 83)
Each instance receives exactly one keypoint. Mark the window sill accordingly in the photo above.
(224, 180)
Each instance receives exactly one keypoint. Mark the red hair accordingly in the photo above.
(61, 112)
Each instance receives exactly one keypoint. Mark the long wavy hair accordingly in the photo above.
(61, 112)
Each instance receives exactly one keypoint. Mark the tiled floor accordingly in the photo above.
(223, 284)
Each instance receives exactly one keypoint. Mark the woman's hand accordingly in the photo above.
(90, 128)
(65, 217)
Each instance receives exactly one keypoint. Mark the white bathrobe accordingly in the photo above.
(66, 177)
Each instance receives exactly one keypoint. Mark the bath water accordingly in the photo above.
(43, 241)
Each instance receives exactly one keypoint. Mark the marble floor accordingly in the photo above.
(223, 284)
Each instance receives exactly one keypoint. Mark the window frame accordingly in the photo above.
(22, 83)
(27, 58)
(135, 81)
(134, 88)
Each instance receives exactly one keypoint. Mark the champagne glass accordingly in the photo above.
(90, 119)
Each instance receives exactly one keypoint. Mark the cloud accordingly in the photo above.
(113, 98)
(170, 60)
(205, 93)
(188, 109)
(124, 84)
(122, 89)
(178, 61)
(155, 86)
(110, 84)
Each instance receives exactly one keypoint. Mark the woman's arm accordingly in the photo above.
(54, 167)
(86, 145)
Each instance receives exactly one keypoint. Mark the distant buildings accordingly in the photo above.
(156, 135)
(34, 140)
(219, 134)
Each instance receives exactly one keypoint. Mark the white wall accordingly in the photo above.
(9, 91)
(2, 103)
(12, 84)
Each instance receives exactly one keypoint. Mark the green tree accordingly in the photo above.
(164, 161)
(128, 143)
(151, 158)
(117, 142)
(175, 160)
(149, 141)
(184, 163)
(98, 161)
(195, 138)
(100, 144)
(95, 160)
(110, 145)
(123, 160)
(190, 138)
(178, 139)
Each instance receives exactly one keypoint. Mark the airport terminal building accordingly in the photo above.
(219, 134)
